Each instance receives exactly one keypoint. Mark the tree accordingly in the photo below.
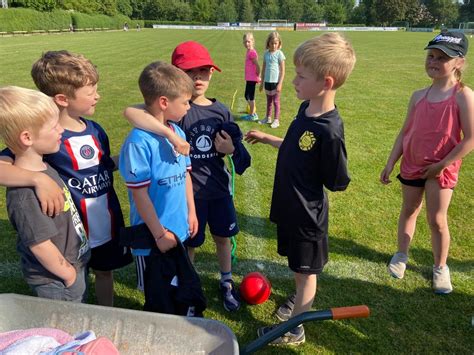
(38, 5)
(445, 12)
(335, 12)
(291, 10)
(312, 12)
(358, 15)
(246, 13)
(370, 14)
(203, 11)
(226, 11)
(269, 10)
(389, 11)
(124, 7)
(420, 16)
(182, 11)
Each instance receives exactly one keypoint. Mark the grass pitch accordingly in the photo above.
(406, 316)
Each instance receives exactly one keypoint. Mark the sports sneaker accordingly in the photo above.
(250, 117)
(294, 337)
(229, 295)
(266, 120)
(441, 280)
(398, 265)
(254, 117)
(275, 124)
(283, 312)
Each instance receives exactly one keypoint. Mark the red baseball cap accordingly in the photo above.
(190, 55)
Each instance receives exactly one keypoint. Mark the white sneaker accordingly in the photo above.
(442, 280)
(275, 124)
(398, 265)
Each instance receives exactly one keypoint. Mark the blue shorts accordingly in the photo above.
(221, 217)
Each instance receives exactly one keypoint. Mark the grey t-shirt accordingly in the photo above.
(65, 230)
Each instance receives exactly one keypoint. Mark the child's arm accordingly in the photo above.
(52, 260)
(255, 136)
(281, 76)
(192, 218)
(397, 148)
(465, 100)
(165, 240)
(257, 67)
(263, 75)
(139, 117)
(50, 195)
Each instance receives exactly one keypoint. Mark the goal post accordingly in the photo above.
(272, 22)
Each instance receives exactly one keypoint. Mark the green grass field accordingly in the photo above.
(406, 317)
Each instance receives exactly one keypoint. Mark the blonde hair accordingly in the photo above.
(271, 36)
(163, 79)
(327, 55)
(62, 72)
(23, 109)
(249, 36)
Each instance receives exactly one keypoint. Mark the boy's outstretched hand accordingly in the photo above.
(179, 144)
(255, 136)
(224, 143)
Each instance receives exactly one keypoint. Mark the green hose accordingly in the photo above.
(233, 256)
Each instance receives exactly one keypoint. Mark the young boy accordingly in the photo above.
(53, 250)
(84, 162)
(311, 155)
(160, 188)
(206, 125)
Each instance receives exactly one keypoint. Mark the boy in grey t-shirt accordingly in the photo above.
(55, 249)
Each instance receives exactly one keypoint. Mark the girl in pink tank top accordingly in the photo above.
(438, 132)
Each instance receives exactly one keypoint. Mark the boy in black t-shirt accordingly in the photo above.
(311, 155)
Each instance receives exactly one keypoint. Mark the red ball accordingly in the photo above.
(255, 288)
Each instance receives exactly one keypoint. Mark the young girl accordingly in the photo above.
(432, 146)
(274, 73)
(252, 76)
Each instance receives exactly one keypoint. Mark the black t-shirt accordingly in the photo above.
(312, 155)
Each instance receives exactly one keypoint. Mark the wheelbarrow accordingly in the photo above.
(139, 332)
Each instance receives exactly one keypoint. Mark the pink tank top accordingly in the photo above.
(433, 130)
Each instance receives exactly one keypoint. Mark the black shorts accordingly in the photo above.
(270, 86)
(306, 247)
(250, 90)
(413, 182)
(110, 256)
(221, 217)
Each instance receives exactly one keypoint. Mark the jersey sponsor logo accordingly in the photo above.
(307, 141)
(91, 184)
(174, 180)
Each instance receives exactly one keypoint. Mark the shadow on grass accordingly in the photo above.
(259, 227)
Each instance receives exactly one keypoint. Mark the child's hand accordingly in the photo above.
(166, 242)
(193, 224)
(279, 87)
(224, 143)
(179, 144)
(432, 171)
(254, 136)
(70, 281)
(50, 195)
(385, 175)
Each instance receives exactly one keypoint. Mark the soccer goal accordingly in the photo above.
(272, 23)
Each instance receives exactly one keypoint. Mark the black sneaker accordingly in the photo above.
(284, 312)
(229, 295)
(294, 337)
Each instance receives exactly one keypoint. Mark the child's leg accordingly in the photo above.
(252, 106)
(305, 292)
(269, 106)
(104, 287)
(411, 206)
(191, 253)
(437, 204)
(276, 103)
(223, 250)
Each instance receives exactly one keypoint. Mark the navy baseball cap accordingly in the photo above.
(453, 44)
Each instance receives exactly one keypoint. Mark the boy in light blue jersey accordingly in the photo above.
(160, 188)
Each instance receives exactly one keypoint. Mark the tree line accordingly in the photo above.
(414, 13)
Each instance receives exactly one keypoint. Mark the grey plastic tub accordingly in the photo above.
(132, 332)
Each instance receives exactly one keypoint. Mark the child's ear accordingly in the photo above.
(163, 102)
(211, 70)
(26, 138)
(61, 100)
(328, 83)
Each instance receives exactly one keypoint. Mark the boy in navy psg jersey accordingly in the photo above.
(84, 162)
(311, 155)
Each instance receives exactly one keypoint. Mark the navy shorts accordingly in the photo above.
(306, 247)
(110, 256)
(250, 90)
(270, 86)
(413, 182)
(219, 214)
